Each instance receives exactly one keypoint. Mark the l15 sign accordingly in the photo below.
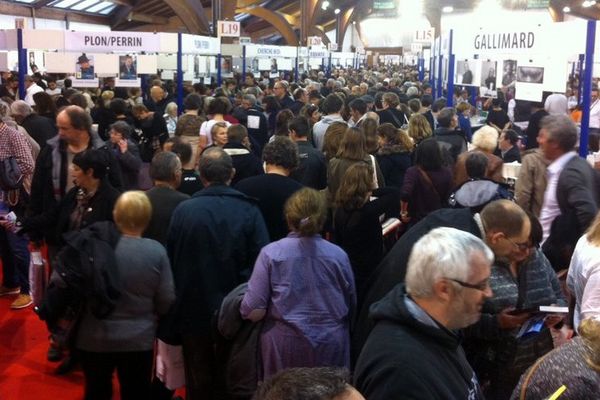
(424, 35)
(228, 28)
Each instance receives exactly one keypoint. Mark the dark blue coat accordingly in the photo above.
(213, 241)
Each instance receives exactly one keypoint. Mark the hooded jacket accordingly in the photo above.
(406, 358)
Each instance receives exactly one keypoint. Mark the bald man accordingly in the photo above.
(158, 100)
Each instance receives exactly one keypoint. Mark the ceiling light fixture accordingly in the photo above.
(325, 5)
(336, 11)
(566, 9)
(588, 3)
(447, 9)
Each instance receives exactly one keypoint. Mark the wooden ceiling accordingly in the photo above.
(266, 25)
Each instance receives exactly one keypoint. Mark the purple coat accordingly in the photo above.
(307, 287)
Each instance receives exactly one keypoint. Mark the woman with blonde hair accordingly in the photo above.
(303, 289)
(419, 128)
(571, 370)
(352, 151)
(123, 340)
(485, 139)
(395, 154)
(583, 279)
(356, 224)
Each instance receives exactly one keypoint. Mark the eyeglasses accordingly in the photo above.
(482, 287)
(520, 246)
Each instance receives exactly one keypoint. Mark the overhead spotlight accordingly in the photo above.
(566, 9)
(325, 5)
(336, 11)
(447, 9)
(353, 22)
(588, 3)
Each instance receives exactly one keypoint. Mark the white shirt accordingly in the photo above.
(595, 114)
(583, 280)
(54, 92)
(31, 90)
(550, 209)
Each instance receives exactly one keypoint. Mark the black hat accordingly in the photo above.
(83, 59)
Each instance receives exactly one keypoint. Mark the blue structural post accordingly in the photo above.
(329, 66)
(450, 71)
(587, 87)
(243, 64)
(433, 73)
(179, 73)
(22, 54)
(580, 72)
(430, 71)
(439, 77)
(219, 77)
(421, 68)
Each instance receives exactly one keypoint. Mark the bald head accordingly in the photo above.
(157, 93)
(216, 167)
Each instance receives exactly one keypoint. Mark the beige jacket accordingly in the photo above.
(531, 183)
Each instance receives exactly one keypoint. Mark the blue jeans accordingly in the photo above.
(15, 260)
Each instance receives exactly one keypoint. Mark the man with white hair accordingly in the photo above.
(414, 350)
(40, 128)
(31, 88)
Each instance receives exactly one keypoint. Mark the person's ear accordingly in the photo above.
(443, 290)
(494, 237)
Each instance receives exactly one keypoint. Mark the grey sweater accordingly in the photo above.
(147, 291)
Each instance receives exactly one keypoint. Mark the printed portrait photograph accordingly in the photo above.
(127, 67)
(84, 68)
(530, 74)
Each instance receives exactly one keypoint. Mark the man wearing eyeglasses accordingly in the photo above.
(414, 350)
(280, 90)
(502, 225)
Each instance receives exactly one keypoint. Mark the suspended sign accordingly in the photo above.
(112, 41)
(314, 41)
(318, 53)
(416, 47)
(333, 46)
(228, 28)
(424, 35)
(255, 50)
(193, 44)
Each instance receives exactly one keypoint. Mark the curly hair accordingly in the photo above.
(282, 152)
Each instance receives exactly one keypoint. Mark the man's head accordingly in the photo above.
(119, 130)
(280, 89)
(248, 101)
(333, 104)
(357, 109)
(216, 167)
(448, 276)
(447, 118)
(301, 94)
(237, 134)
(558, 135)
(74, 124)
(299, 128)
(507, 228)
(183, 150)
(29, 81)
(157, 93)
(325, 383)
(476, 165)
(166, 168)
(20, 110)
(281, 152)
(438, 104)
(508, 139)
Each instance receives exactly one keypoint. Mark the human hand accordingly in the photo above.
(7, 224)
(405, 218)
(506, 320)
(552, 320)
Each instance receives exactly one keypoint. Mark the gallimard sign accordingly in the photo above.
(504, 41)
(112, 41)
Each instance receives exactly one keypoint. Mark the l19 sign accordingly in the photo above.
(229, 29)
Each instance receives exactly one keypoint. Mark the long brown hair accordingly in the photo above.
(353, 145)
(355, 186)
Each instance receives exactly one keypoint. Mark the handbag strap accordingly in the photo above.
(429, 182)
(529, 376)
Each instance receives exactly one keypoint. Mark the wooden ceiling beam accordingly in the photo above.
(276, 19)
(193, 15)
(51, 13)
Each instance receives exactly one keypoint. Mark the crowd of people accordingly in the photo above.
(244, 235)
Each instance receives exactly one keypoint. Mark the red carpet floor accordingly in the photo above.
(24, 372)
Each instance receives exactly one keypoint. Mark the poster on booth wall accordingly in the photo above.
(127, 67)
(467, 72)
(226, 66)
(509, 73)
(530, 74)
(36, 62)
(488, 74)
(284, 64)
(84, 68)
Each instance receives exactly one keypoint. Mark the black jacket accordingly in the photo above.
(406, 358)
(41, 129)
(393, 162)
(246, 164)
(85, 272)
(392, 269)
(259, 135)
(48, 186)
(237, 347)
(312, 170)
(392, 116)
(512, 155)
(451, 140)
(130, 163)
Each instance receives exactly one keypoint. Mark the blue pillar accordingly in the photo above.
(296, 67)
(587, 87)
(329, 65)
(431, 71)
(243, 64)
(219, 78)
(421, 66)
(179, 74)
(450, 71)
(580, 72)
(439, 77)
(22, 53)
